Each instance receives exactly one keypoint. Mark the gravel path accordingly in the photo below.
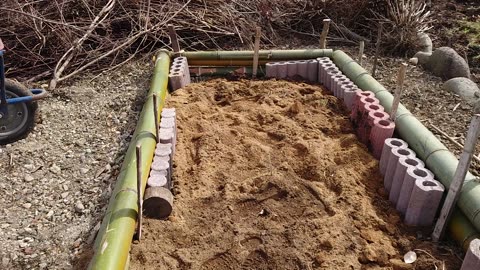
(56, 182)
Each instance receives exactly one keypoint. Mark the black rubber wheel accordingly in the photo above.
(21, 116)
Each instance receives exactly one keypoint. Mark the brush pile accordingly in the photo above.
(59, 39)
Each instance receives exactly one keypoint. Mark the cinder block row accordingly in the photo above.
(363, 109)
(389, 145)
(369, 118)
(392, 164)
(161, 168)
(306, 69)
(179, 75)
(323, 64)
(329, 76)
(397, 181)
(410, 186)
(354, 116)
(321, 70)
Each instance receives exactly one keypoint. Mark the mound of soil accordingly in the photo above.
(269, 175)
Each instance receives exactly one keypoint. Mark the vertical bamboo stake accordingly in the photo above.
(323, 37)
(377, 49)
(360, 52)
(139, 191)
(173, 38)
(458, 178)
(155, 117)
(258, 33)
(398, 91)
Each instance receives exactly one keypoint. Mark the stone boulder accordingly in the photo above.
(446, 63)
(422, 57)
(425, 42)
(464, 87)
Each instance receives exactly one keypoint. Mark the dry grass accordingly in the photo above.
(62, 38)
(402, 21)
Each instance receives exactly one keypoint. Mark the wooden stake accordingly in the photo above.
(377, 49)
(155, 117)
(173, 38)
(398, 91)
(323, 37)
(139, 191)
(360, 52)
(458, 178)
(258, 34)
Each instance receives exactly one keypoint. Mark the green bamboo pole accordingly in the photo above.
(461, 230)
(436, 156)
(272, 55)
(113, 241)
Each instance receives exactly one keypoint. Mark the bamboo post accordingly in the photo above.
(323, 37)
(173, 38)
(155, 118)
(377, 49)
(139, 191)
(398, 91)
(258, 33)
(360, 52)
(458, 178)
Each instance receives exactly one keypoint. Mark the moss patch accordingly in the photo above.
(472, 31)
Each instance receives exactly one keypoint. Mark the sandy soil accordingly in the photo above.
(268, 175)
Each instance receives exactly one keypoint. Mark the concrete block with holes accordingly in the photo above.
(403, 164)
(179, 75)
(411, 177)
(392, 165)
(424, 202)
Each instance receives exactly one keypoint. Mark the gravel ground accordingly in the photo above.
(57, 181)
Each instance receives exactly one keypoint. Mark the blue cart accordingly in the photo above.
(17, 106)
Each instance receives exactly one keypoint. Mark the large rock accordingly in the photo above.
(422, 57)
(445, 62)
(425, 42)
(463, 87)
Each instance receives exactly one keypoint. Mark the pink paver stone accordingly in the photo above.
(381, 130)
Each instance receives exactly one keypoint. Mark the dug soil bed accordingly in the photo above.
(269, 175)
